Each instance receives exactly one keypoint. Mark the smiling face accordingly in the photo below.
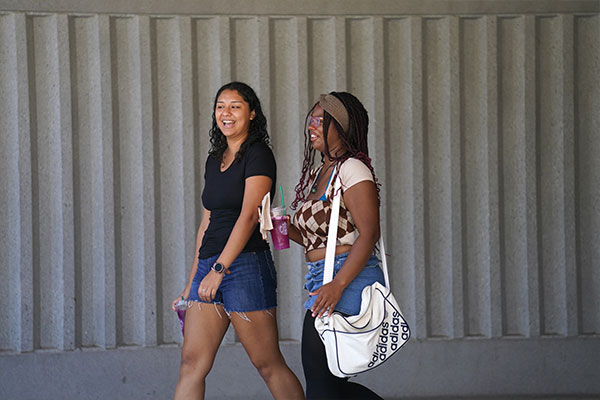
(315, 130)
(233, 115)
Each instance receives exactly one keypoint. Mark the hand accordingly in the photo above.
(327, 297)
(209, 285)
(185, 294)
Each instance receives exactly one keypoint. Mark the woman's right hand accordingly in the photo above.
(185, 294)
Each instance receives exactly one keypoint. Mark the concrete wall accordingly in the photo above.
(485, 135)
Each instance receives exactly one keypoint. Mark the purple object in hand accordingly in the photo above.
(279, 233)
(180, 308)
(181, 315)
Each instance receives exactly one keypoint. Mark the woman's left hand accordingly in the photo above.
(209, 285)
(327, 297)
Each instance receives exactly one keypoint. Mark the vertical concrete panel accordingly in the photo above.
(551, 170)
(568, 115)
(26, 216)
(456, 176)
(245, 63)
(587, 129)
(169, 139)
(304, 99)
(49, 260)
(150, 170)
(286, 116)
(493, 187)
(10, 233)
(531, 175)
(475, 188)
(263, 49)
(66, 122)
(418, 174)
(361, 68)
(89, 182)
(438, 177)
(340, 53)
(401, 155)
(513, 183)
(127, 128)
(109, 336)
(321, 57)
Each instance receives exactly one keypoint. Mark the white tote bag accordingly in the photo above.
(359, 343)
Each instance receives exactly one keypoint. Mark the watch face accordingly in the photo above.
(218, 267)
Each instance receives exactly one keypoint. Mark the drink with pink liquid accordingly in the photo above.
(279, 233)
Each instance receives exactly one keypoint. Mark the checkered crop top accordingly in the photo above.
(312, 218)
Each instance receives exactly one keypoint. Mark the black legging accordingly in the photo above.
(321, 384)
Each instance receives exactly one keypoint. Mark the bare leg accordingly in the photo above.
(204, 331)
(259, 336)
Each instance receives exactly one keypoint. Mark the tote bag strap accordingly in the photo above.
(332, 239)
(332, 232)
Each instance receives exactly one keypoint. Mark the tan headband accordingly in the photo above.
(335, 108)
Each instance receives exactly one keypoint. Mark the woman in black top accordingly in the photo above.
(233, 278)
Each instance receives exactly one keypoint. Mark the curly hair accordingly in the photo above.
(257, 132)
(354, 141)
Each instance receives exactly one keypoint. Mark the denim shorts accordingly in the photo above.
(251, 285)
(349, 303)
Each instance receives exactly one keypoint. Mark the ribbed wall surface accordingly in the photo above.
(485, 135)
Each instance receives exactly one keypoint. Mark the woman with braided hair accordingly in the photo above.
(336, 127)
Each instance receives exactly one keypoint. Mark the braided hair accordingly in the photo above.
(257, 132)
(354, 141)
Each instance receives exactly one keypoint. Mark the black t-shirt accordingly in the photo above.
(223, 195)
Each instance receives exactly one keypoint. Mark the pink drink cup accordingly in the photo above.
(180, 307)
(181, 316)
(279, 233)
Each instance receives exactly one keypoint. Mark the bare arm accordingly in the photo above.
(199, 236)
(361, 200)
(293, 232)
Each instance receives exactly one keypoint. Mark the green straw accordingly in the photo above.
(282, 203)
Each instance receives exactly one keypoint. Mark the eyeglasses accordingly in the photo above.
(315, 121)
